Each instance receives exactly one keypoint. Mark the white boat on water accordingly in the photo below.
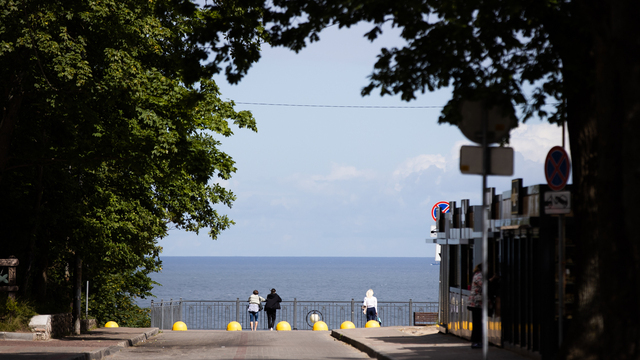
(438, 258)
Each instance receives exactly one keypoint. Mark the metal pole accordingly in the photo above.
(485, 236)
(238, 309)
(295, 314)
(153, 312)
(560, 266)
(560, 278)
(352, 310)
(411, 312)
(162, 312)
(86, 310)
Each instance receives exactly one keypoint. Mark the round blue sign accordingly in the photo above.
(557, 168)
(442, 205)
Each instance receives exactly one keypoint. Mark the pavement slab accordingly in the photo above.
(222, 345)
(388, 343)
(407, 343)
(93, 345)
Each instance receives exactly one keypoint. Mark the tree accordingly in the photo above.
(580, 60)
(109, 135)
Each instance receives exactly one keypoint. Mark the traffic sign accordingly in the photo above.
(442, 205)
(557, 168)
(500, 160)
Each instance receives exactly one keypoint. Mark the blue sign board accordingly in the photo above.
(442, 205)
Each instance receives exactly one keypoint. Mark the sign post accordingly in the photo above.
(8, 276)
(557, 168)
(484, 125)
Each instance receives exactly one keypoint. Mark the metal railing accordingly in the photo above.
(216, 314)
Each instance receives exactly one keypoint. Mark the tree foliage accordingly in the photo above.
(110, 133)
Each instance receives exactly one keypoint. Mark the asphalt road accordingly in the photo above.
(211, 344)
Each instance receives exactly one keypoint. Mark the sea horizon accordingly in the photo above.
(337, 278)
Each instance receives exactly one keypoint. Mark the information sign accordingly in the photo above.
(557, 202)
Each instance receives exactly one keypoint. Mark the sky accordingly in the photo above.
(344, 181)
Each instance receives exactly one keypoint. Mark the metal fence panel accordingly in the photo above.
(216, 314)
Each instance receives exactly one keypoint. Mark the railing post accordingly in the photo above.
(171, 310)
(238, 309)
(151, 313)
(295, 314)
(162, 314)
(180, 310)
(410, 312)
(353, 304)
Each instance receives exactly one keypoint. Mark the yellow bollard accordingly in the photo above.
(111, 324)
(283, 326)
(234, 326)
(320, 326)
(179, 326)
(347, 325)
(372, 324)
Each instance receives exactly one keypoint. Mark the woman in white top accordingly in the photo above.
(254, 308)
(371, 305)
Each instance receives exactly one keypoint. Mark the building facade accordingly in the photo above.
(525, 238)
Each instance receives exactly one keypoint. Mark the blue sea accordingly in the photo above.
(303, 278)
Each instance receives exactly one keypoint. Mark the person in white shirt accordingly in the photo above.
(254, 308)
(371, 305)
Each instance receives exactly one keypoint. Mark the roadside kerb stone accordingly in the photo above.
(17, 336)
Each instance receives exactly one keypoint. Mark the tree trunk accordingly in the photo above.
(33, 260)
(77, 297)
(606, 163)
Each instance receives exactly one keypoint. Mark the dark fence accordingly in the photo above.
(216, 314)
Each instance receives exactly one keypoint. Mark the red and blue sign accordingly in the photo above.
(443, 205)
(557, 168)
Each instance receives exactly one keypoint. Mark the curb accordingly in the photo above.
(360, 346)
(17, 336)
(102, 353)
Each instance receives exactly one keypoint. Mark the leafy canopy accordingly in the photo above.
(111, 134)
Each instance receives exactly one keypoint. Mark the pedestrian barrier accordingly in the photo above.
(217, 314)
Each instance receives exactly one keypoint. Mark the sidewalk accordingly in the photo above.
(388, 343)
(405, 343)
(94, 345)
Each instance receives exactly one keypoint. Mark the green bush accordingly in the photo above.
(113, 299)
(15, 314)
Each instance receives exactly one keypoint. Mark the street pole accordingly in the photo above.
(485, 236)
(561, 267)
(560, 278)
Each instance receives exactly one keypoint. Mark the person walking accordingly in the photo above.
(475, 305)
(273, 304)
(254, 308)
(370, 305)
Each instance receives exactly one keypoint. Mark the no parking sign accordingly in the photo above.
(442, 205)
(557, 168)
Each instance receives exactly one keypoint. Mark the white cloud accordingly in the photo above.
(344, 173)
(534, 141)
(286, 203)
(418, 164)
(329, 183)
